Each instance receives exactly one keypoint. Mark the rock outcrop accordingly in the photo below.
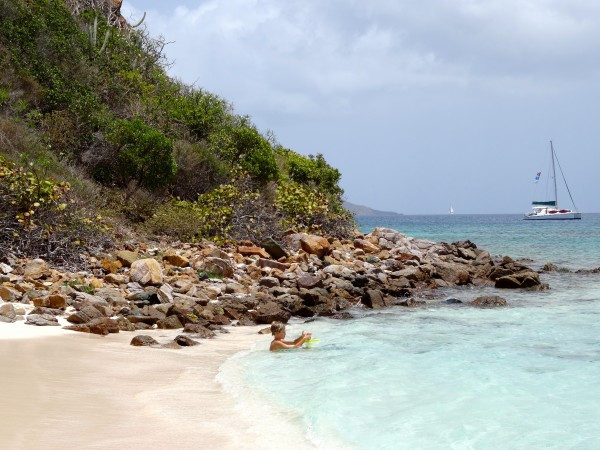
(200, 288)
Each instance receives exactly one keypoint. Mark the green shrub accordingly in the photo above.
(145, 155)
(311, 170)
(176, 219)
(198, 171)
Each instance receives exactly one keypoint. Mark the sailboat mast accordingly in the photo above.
(554, 175)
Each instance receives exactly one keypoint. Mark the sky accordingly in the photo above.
(420, 105)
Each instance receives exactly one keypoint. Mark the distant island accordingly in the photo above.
(359, 210)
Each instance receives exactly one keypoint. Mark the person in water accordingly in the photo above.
(279, 342)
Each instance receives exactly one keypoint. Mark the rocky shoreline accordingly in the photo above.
(200, 288)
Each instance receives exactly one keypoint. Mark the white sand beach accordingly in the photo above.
(62, 389)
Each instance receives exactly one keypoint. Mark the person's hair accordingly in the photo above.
(276, 327)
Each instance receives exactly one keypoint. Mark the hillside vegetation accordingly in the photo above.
(97, 142)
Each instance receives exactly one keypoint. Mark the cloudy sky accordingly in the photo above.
(420, 105)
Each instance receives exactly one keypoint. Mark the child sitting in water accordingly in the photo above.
(278, 343)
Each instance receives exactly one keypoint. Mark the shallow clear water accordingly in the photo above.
(451, 376)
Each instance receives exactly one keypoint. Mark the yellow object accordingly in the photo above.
(308, 343)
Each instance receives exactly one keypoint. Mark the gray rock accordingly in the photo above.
(489, 301)
(42, 320)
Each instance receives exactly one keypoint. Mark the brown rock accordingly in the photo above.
(110, 265)
(373, 298)
(270, 312)
(126, 257)
(9, 294)
(143, 340)
(309, 282)
(169, 323)
(253, 251)
(365, 245)
(176, 259)
(101, 326)
(315, 245)
(185, 341)
(218, 266)
(272, 264)
(86, 314)
(54, 301)
(199, 330)
(524, 279)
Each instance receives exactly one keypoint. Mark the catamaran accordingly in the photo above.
(549, 209)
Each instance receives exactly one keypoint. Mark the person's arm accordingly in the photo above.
(303, 337)
(289, 345)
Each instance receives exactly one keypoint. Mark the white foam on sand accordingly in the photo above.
(75, 390)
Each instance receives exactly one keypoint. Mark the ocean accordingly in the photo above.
(447, 376)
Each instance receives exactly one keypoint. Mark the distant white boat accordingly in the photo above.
(549, 209)
(451, 210)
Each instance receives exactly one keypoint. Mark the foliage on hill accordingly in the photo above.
(89, 95)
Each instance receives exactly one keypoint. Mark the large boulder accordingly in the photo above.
(146, 271)
(315, 245)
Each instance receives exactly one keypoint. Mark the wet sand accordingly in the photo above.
(63, 389)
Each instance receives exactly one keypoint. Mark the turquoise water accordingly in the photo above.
(451, 376)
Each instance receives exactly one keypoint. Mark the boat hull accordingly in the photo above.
(556, 216)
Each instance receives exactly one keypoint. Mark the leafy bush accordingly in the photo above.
(243, 145)
(176, 219)
(312, 171)
(145, 155)
(198, 171)
(39, 219)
